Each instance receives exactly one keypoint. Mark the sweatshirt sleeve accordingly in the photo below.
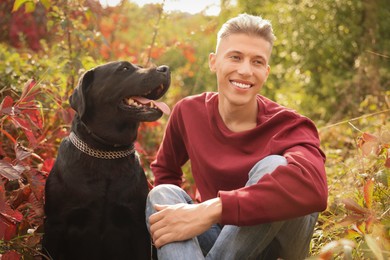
(172, 154)
(290, 191)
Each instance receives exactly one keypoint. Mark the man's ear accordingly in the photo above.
(268, 71)
(77, 99)
(212, 57)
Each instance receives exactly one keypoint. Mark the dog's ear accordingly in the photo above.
(77, 99)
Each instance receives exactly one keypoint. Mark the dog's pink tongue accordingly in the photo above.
(161, 105)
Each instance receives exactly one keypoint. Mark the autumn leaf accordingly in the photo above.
(370, 223)
(352, 205)
(47, 165)
(21, 123)
(37, 182)
(22, 152)
(28, 5)
(9, 171)
(8, 217)
(26, 94)
(6, 106)
(368, 191)
(18, 4)
(11, 255)
(351, 219)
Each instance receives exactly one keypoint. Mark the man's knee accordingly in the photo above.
(161, 194)
(168, 194)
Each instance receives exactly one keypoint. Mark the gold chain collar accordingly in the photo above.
(82, 146)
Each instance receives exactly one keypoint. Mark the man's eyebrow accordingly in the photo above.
(233, 52)
(241, 53)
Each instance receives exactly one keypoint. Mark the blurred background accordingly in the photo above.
(330, 62)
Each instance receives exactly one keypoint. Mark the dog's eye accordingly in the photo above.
(125, 68)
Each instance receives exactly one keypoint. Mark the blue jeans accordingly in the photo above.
(288, 239)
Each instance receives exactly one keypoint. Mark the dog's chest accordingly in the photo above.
(94, 179)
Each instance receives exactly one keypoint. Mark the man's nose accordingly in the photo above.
(245, 68)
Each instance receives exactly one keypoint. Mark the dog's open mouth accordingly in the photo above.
(148, 101)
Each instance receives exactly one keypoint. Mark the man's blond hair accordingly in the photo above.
(247, 24)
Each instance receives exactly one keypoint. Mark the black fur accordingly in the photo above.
(95, 208)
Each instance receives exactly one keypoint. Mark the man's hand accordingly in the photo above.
(183, 221)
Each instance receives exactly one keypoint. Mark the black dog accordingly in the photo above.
(96, 191)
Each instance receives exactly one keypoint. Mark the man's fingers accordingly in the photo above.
(162, 237)
(159, 207)
(159, 242)
(156, 225)
(158, 215)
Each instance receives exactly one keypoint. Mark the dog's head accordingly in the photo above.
(113, 98)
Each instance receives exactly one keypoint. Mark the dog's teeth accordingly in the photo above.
(130, 101)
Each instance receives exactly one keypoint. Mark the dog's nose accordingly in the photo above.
(163, 69)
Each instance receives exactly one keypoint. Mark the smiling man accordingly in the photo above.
(257, 165)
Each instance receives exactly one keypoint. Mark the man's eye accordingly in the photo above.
(259, 62)
(234, 57)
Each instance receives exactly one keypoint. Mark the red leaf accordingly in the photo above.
(31, 137)
(369, 144)
(35, 116)
(37, 183)
(6, 211)
(7, 229)
(48, 165)
(20, 196)
(8, 218)
(368, 193)
(6, 105)
(22, 123)
(367, 137)
(27, 95)
(66, 115)
(8, 135)
(10, 255)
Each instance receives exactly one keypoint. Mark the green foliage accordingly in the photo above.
(329, 62)
(329, 54)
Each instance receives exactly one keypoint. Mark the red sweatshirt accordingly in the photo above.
(221, 160)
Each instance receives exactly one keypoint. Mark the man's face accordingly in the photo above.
(241, 67)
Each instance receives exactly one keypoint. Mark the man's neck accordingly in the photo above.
(239, 118)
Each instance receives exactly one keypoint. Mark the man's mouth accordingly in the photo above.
(241, 85)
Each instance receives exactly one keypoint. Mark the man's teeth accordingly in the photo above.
(241, 85)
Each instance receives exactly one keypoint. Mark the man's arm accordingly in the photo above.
(183, 221)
